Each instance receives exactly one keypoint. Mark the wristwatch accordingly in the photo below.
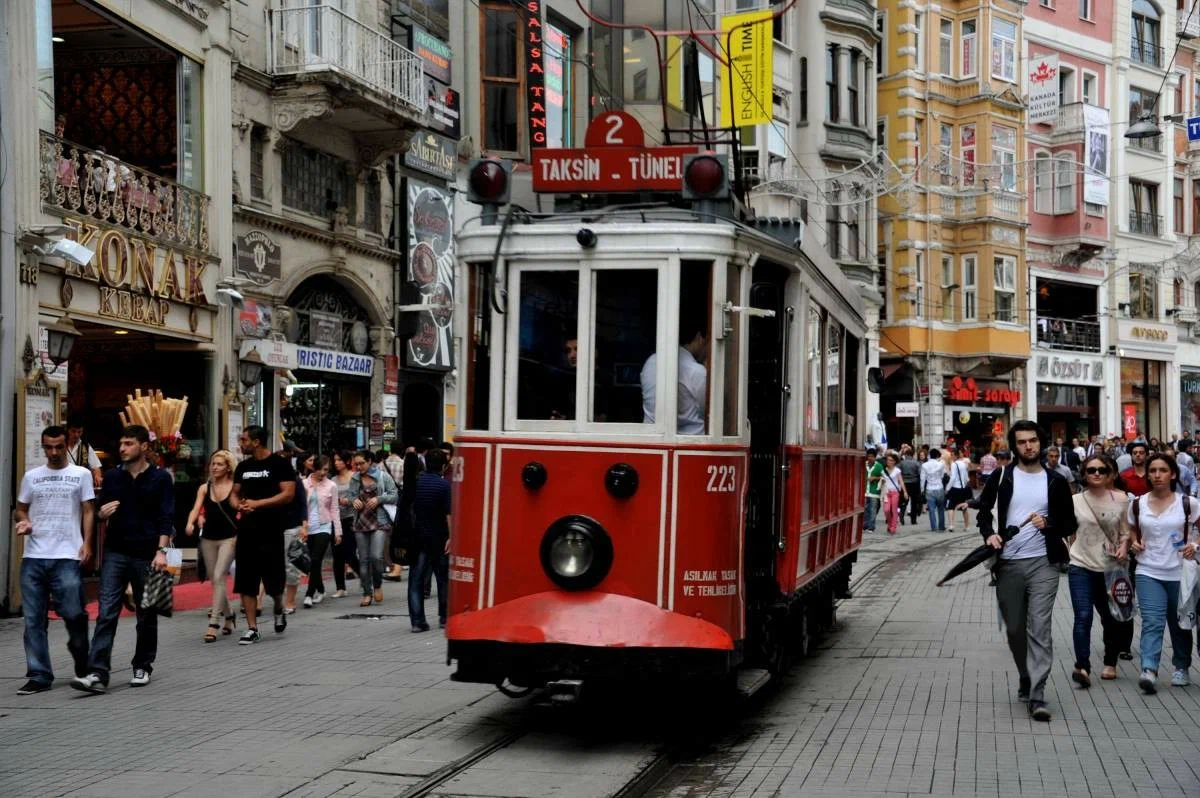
(162, 549)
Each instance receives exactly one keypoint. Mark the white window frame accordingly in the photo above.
(1065, 173)
(1008, 51)
(1043, 182)
(1086, 96)
(881, 53)
(1068, 84)
(969, 47)
(919, 286)
(946, 46)
(919, 24)
(1087, 10)
(970, 306)
(1008, 286)
(947, 290)
(970, 165)
(946, 153)
(1005, 158)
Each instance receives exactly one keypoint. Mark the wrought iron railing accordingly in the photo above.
(1147, 224)
(94, 184)
(1071, 335)
(1144, 52)
(323, 38)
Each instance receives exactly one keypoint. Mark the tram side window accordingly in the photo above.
(833, 382)
(548, 345)
(733, 349)
(852, 367)
(815, 352)
(695, 324)
(626, 319)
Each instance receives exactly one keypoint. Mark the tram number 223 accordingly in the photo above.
(722, 479)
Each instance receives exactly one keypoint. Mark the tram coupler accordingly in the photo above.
(564, 691)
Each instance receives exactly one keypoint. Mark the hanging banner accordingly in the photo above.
(535, 79)
(750, 54)
(1043, 89)
(1095, 174)
(431, 267)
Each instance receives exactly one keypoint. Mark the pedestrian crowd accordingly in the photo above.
(1119, 518)
(266, 521)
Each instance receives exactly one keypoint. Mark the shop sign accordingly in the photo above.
(535, 79)
(284, 355)
(968, 390)
(1071, 370)
(434, 154)
(444, 110)
(1043, 89)
(1189, 382)
(431, 268)
(391, 374)
(376, 425)
(434, 52)
(258, 257)
(391, 405)
(324, 330)
(1148, 333)
(1138, 333)
(1129, 421)
(906, 409)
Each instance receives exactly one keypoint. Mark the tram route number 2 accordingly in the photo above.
(722, 479)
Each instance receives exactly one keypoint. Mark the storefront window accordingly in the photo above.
(1141, 398)
(1189, 402)
(559, 93)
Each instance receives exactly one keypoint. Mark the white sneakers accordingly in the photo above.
(308, 602)
(1180, 678)
(141, 678)
(317, 599)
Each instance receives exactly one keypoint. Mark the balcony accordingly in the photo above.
(1148, 144)
(1007, 203)
(1069, 335)
(1147, 224)
(1142, 52)
(1189, 24)
(95, 185)
(328, 65)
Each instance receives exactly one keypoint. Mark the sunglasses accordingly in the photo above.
(1101, 471)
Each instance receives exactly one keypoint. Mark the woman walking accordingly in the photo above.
(344, 554)
(371, 488)
(323, 514)
(216, 516)
(1162, 534)
(893, 489)
(1099, 542)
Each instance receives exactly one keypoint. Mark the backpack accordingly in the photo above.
(1187, 516)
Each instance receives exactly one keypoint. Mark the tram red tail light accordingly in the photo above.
(705, 176)
(489, 181)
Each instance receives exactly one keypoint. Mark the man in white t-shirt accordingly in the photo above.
(56, 517)
(693, 381)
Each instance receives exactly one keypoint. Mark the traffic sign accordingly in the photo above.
(1193, 125)
(615, 159)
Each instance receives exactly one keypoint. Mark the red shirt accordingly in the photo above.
(1138, 486)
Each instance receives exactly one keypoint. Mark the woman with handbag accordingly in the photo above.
(1162, 526)
(323, 514)
(893, 489)
(216, 516)
(1100, 545)
(371, 488)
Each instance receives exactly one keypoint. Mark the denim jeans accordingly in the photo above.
(370, 559)
(1089, 594)
(41, 578)
(869, 514)
(1158, 602)
(936, 501)
(117, 571)
(430, 558)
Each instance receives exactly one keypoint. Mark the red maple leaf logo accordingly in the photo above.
(1043, 73)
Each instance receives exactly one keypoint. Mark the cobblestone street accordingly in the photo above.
(913, 696)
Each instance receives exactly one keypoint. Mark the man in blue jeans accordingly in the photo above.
(431, 528)
(138, 500)
(56, 517)
(874, 483)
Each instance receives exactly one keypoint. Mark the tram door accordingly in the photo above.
(767, 397)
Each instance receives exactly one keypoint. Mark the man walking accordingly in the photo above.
(138, 500)
(1034, 503)
(1133, 478)
(56, 516)
(431, 524)
(874, 484)
(1054, 463)
(910, 472)
(264, 484)
(932, 486)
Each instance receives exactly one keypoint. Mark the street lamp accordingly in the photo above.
(60, 340)
(250, 369)
(1145, 128)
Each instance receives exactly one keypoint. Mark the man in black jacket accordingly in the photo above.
(1035, 505)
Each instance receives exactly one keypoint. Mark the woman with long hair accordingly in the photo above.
(344, 554)
(893, 490)
(1100, 541)
(371, 488)
(323, 514)
(216, 517)
(1162, 528)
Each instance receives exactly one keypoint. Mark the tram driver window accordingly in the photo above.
(548, 345)
(626, 319)
(695, 299)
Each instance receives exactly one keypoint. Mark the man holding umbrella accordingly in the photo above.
(1033, 506)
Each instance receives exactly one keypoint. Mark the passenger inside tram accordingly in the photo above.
(692, 412)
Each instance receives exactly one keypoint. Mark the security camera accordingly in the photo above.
(70, 250)
(230, 297)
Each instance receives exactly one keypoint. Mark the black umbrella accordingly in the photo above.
(977, 556)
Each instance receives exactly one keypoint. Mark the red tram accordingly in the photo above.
(658, 472)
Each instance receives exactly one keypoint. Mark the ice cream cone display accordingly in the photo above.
(162, 416)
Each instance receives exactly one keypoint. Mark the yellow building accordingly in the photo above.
(955, 333)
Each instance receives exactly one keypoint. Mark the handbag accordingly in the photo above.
(1120, 591)
(298, 556)
(158, 594)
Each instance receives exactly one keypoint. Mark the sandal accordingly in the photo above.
(211, 635)
(230, 625)
(1109, 673)
(366, 601)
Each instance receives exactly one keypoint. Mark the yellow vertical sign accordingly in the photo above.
(749, 69)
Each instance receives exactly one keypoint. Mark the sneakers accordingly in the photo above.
(1148, 682)
(280, 624)
(92, 683)
(1180, 678)
(1125, 655)
(308, 602)
(1082, 677)
(1038, 711)
(1023, 691)
(30, 687)
(141, 678)
(420, 627)
(317, 599)
(250, 636)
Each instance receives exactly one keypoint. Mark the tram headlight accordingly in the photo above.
(576, 552)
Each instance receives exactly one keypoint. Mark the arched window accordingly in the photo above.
(1196, 294)
(1146, 42)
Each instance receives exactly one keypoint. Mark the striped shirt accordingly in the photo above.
(431, 505)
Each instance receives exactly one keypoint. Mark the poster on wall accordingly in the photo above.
(1043, 89)
(1095, 175)
(431, 268)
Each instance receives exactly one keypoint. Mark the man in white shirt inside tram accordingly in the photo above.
(693, 379)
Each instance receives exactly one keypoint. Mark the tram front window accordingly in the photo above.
(626, 318)
(548, 348)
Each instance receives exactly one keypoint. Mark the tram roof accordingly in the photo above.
(646, 232)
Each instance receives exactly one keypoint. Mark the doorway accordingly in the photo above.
(420, 412)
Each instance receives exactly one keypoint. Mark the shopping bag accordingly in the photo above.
(1120, 591)
(1189, 591)
(298, 556)
(158, 594)
(175, 564)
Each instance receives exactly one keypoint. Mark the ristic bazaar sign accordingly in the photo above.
(615, 158)
(284, 355)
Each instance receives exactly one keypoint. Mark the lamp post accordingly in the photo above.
(60, 340)
(250, 369)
